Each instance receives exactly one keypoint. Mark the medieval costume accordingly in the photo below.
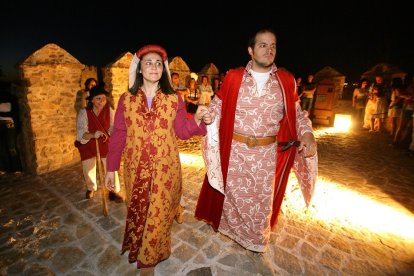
(255, 177)
(91, 120)
(145, 137)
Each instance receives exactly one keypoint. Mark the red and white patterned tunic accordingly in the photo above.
(249, 191)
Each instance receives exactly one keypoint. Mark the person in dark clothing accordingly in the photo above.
(308, 92)
(9, 129)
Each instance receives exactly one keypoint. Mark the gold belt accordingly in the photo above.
(252, 141)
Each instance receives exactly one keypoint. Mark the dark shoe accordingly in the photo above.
(89, 194)
(115, 197)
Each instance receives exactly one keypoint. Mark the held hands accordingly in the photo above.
(308, 144)
(205, 114)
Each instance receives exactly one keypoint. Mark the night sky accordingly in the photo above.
(351, 38)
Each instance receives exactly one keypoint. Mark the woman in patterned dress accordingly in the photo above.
(148, 120)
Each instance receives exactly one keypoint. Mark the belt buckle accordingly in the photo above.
(251, 141)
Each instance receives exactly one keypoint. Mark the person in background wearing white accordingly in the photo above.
(206, 91)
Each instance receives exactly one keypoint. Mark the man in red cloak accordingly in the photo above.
(262, 134)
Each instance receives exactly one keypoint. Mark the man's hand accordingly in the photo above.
(308, 143)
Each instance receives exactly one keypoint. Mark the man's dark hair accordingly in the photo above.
(252, 40)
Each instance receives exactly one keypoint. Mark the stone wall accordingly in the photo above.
(178, 65)
(115, 76)
(51, 78)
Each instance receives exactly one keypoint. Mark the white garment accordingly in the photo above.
(205, 94)
(82, 124)
(261, 79)
(211, 155)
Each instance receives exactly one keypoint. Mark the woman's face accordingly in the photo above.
(151, 67)
(192, 83)
(99, 101)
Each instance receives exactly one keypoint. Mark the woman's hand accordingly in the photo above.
(201, 111)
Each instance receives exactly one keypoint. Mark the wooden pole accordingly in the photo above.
(101, 179)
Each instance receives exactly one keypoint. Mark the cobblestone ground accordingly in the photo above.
(360, 221)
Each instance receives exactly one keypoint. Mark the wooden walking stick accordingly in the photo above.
(101, 179)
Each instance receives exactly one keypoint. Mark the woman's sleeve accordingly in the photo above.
(111, 121)
(118, 139)
(186, 127)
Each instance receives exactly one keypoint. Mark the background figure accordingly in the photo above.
(404, 130)
(81, 101)
(395, 107)
(359, 101)
(308, 91)
(9, 129)
(175, 82)
(192, 96)
(299, 86)
(255, 167)
(95, 122)
(148, 121)
(222, 75)
(370, 108)
(216, 86)
(381, 90)
(206, 91)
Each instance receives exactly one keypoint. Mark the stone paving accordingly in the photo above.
(360, 222)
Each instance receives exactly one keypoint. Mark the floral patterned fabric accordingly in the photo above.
(146, 140)
(153, 172)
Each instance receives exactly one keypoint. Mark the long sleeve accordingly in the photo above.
(82, 126)
(118, 139)
(186, 128)
(303, 123)
(111, 122)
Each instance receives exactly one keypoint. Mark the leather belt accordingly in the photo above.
(252, 141)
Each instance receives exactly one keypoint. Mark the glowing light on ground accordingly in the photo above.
(191, 160)
(335, 204)
(342, 122)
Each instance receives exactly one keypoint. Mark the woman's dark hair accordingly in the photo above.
(88, 81)
(164, 83)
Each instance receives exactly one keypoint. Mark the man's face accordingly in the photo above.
(264, 52)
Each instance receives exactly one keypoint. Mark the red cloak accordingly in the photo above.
(210, 201)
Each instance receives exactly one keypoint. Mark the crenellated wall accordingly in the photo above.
(49, 98)
(115, 76)
(51, 79)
